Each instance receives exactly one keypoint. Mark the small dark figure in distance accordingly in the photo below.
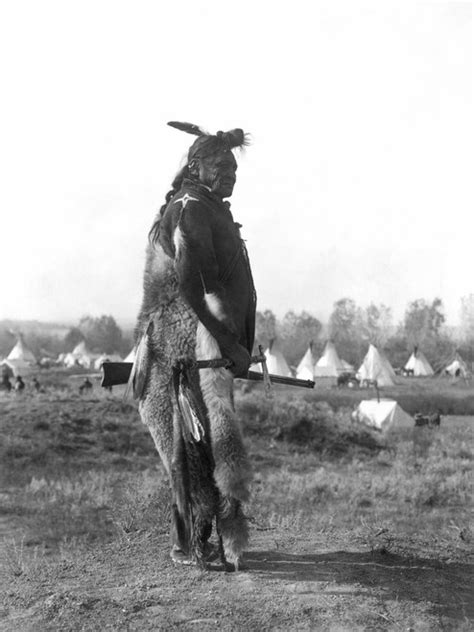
(347, 379)
(369, 383)
(408, 372)
(85, 386)
(19, 384)
(36, 385)
(432, 420)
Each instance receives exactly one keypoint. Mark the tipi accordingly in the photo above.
(276, 362)
(419, 364)
(376, 366)
(106, 357)
(20, 359)
(21, 352)
(457, 368)
(329, 364)
(131, 356)
(305, 369)
(382, 414)
(81, 356)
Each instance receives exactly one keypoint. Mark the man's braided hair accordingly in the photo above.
(205, 145)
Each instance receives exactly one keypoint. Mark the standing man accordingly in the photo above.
(198, 304)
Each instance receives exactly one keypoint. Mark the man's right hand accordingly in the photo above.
(240, 358)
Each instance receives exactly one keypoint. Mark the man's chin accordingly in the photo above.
(224, 192)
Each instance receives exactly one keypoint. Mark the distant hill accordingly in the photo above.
(35, 326)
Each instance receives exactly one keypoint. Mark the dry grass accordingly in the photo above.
(80, 471)
(326, 473)
(350, 529)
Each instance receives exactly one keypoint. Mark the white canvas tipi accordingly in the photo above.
(131, 356)
(80, 356)
(457, 368)
(305, 369)
(106, 357)
(419, 364)
(329, 364)
(21, 352)
(382, 414)
(20, 359)
(276, 362)
(376, 366)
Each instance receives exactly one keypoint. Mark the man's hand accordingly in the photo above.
(240, 360)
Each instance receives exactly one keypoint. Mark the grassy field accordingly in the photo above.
(350, 530)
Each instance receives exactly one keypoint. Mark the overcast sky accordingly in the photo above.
(358, 182)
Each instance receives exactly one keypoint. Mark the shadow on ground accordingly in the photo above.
(447, 587)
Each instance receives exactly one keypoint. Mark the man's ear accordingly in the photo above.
(193, 168)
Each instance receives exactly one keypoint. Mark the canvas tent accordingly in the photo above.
(419, 364)
(80, 356)
(276, 362)
(20, 359)
(305, 369)
(382, 414)
(376, 366)
(329, 364)
(106, 357)
(12, 368)
(131, 356)
(457, 367)
(21, 352)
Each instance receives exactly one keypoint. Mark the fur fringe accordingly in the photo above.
(232, 526)
(232, 471)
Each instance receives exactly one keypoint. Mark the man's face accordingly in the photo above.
(218, 172)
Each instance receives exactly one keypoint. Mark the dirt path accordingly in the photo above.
(289, 584)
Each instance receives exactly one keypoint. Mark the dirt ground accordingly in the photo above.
(290, 584)
(309, 578)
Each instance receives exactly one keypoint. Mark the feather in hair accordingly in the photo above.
(189, 128)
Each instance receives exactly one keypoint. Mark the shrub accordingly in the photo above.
(308, 425)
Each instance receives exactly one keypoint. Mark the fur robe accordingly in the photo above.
(198, 301)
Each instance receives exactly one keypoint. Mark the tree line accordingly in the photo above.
(350, 327)
(100, 334)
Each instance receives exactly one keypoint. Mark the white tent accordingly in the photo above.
(106, 357)
(69, 360)
(376, 366)
(382, 415)
(329, 364)
(276, 362)
(419, 364)
(305, 369)
(131, 356)
(457, 368)
(21, 352)
(15, 367)
(80, 356)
